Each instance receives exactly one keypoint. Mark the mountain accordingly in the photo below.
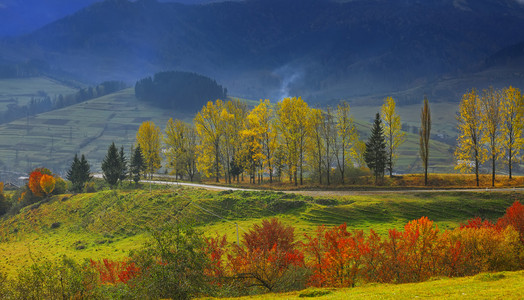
(318, 49)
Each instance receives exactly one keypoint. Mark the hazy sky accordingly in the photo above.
(23, 16)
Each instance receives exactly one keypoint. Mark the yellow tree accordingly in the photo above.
(491, 124)
(512, 125)
(181, 142)
(261, 121)
(316, 141)
(347, 135)
(424, 134)
(292, 122)
(469, 152)
(149, 139)
(330, 140)
(210, 129)
(392, 131)
(233, 117)
(47, 183)
(253, 152)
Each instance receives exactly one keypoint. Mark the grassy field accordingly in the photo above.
(21, 90)
(51, 139)
(110, 224)
(503, 285)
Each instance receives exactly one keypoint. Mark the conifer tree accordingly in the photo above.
(123, 165)
(424, 133)
(111, 166)
(79, 173)
(375, 154)
(137, 164)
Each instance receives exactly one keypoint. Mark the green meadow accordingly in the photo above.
(503, 285)
(110, 224)
(21, 90)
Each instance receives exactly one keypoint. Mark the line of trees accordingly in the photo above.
(490, 126)
(44, 103)
(288, 139)
(291, 140)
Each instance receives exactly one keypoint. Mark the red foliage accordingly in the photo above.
(477, 223)
(267, 254)
(514, 217)
(215, 249)
(34, 183)
(113, 272)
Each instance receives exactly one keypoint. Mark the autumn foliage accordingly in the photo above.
(269, 259)
(114, 272)
(41, 182)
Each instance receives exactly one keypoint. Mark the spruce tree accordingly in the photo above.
(123, 165)
(137, 164)
(375, 154)
(111, 166)
(79, 173)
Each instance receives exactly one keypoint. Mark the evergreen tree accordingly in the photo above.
(123, 165)
(79, 173)
(375, 154)
(111, 166)
(137, 165)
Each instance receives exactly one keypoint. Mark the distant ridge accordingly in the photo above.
(320, 49)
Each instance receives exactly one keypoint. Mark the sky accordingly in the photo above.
(23, 16)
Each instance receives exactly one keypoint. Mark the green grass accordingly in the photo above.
(110, 224)
(21, 90)
(504, 285)
(89, 128)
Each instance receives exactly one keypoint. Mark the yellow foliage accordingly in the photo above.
(149, 137)
(392, 131)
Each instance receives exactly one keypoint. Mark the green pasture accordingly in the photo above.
(51, 139)
(443, 115)
(503, 285)
(110, 224)
(21, 90)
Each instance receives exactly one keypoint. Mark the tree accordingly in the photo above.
(123, 165)
(47, 184)
(137, 164)
(316, 142)
(181, 143)
(424, 133)
(293, 124)
(469, 149)
(348, 136)
(512, 125)
(261, 120)
(375, 154)
(148, 137)
(491, 123)
(173, 264)
(267, 254)
(393, 132)
(210, 129)
(111, 166)
(79, 173)
(329, 137)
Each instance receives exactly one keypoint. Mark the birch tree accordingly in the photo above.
(392, 130)
(469, 152)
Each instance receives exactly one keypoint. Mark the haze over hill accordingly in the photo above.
(319, 49)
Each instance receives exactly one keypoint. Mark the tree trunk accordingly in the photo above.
(493, 170)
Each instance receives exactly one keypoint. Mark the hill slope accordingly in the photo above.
(109, 224)
(51, 139)
(319, 49)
